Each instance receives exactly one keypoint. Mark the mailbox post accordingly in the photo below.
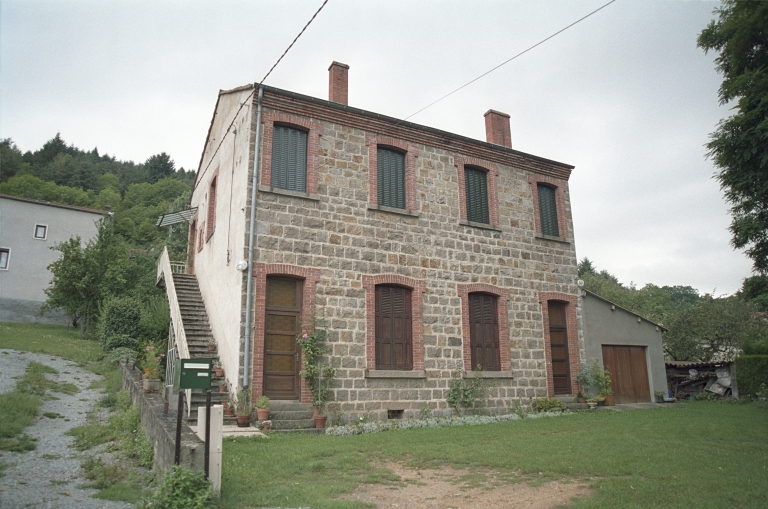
(190, 374)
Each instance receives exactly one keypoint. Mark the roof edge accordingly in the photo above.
(54, 204)
(593, 294)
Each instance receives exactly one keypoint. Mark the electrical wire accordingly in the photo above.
(508, 61)
(255, 88)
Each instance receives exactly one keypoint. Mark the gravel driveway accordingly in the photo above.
(48, 476)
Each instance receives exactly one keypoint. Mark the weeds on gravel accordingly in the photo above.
(119, 478)
(20, 407)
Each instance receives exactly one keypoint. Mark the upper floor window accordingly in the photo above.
(548, 210)
(393, 328)
(476, 188)
(289, 159)
(484, 332)
(211, 216)
(5, 258)
(41, 231)
(391, 178)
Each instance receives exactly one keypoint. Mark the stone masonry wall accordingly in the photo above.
(338, 232)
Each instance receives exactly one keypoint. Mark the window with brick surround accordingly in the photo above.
(391, 177)
(394, 346)
(549, 213)
(548, 210)
(392, 173)
(484, 332)
(478, 197)
(289, 159)
(211, 218)
(476, 189)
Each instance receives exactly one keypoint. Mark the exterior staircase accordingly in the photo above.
(292, 417)
(198, 333)
(571, 403)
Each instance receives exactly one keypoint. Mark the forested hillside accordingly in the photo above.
(136, 193)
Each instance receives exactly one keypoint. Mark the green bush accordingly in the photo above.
(121, 341)
(547, 404)
(122, 317)
(751, 371)
(468, 393)
(181, 489)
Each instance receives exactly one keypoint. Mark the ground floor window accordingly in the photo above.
(394, 345)
(484, 332)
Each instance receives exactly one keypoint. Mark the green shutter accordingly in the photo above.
(548, 210)
(476, 195)
(289, 159)
(391, 178)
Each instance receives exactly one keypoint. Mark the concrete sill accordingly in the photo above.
(488, 374)
(563, 240)
(393, 210)
(464, 222)
(285, 192)
(386, 373)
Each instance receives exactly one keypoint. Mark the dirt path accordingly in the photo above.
(49, 476)
(464, 489)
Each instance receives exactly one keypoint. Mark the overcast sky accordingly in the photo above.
(625, 96)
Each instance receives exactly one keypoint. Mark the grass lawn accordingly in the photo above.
(707, 454)
(50, 339)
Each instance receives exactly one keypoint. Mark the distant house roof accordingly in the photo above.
(52, 204)
(593, 294)
(687, 364)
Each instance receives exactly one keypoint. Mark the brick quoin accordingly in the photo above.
(417, 287)
(492, 173)
(411, 153)
(313, 129)
(573, 337)
(560, 186)
(260, 272)
(503, 318)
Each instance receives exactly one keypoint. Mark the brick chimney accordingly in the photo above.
(337, 82)
(497, 129)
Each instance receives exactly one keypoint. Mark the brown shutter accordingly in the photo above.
(484, 332)
(393, 328)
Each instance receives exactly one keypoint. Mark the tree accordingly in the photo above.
(713, 329)
(159, 166)
(739, 146)
(755, 290)
(81, 274)
(586, 267)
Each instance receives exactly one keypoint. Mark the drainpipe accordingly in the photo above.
(251, 238)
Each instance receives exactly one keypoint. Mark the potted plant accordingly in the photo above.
(262, 408)
(229, 407)
(592, 402)
(211, 344)
(317, 374)
(603, 380)
(217, 369)
(586, 379)
(659, 396)
(243, 410)
(265, 425)
(151, 379)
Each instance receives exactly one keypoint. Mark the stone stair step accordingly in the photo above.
(289, 414)
(293, 424)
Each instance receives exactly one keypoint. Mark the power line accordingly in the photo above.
(256, 87)
(508, 61)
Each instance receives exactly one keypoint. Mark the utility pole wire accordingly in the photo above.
(256, 88)
(508, 61)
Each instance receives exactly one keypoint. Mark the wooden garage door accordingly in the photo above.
(629, 373)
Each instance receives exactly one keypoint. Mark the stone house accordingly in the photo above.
(427, 254)
(28, 230)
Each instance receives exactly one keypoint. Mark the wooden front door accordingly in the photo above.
(281, 351)
(393, 328)
(629, 373)
(484, 332)
(558, 348)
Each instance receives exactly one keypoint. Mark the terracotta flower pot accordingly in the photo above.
(229, 411)
(222, 388)
(262, 413)
(211, 348)
(218, 371)
(243, 421)
(315, 411)
(265, 426)
(582, 400)
(320, 421)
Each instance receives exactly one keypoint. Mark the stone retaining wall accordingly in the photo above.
(161, 427)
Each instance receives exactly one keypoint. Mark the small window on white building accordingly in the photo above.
(5, 256)
(41, 231)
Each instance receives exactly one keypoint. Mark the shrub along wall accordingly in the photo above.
(751, 371)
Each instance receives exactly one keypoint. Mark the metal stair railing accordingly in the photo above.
(165, 271)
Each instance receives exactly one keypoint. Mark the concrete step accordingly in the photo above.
(290, 415)
(293, 424)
